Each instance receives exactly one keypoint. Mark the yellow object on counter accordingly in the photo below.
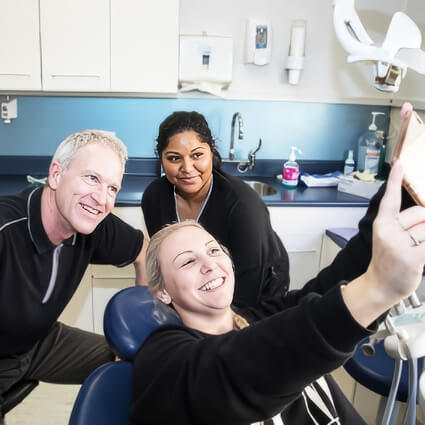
(364, 176)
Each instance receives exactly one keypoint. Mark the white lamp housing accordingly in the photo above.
(295, 62)
(399, 51)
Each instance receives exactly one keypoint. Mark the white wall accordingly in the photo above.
(326, 77)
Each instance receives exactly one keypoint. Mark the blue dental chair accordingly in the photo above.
(130, 317)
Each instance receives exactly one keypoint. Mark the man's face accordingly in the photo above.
(85, 192)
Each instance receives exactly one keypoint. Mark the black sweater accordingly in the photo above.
(187, 377)
(184, 376)
(238, 218)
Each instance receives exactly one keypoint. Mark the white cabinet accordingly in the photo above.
(20, 45)
(75, 45)
(79, 311)
(89, 46)
(144, 46)
(302, 229)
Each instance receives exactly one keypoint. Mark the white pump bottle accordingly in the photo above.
(369, 148)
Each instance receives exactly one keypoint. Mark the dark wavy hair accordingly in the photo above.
(181, 121)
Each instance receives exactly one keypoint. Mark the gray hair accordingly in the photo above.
(153, 267)
(69, 147)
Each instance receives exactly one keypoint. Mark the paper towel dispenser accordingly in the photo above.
(205, 63)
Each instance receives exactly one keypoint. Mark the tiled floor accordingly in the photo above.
(48, 404)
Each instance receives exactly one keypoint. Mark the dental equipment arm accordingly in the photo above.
(399, 51)
(403, 332)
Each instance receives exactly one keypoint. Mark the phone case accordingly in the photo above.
(410, 150)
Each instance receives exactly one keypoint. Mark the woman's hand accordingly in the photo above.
(398, 256)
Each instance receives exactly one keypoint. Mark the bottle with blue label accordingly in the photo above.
(369, 149)
(291, 170)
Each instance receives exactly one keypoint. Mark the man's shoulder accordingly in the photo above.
(13, 208)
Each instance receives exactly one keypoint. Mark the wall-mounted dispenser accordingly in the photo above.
(258, 42)
(9, 109)
(205, 63)
(296, 54)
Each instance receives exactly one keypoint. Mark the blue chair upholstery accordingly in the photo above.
(376, 372)
(130, 317)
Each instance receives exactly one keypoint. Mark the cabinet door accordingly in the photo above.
(144, 46)
(302, 230)
(20, 45)
(107, 281)
(79, 311)
(75, 45)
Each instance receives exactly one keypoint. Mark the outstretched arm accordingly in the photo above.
(397, 262)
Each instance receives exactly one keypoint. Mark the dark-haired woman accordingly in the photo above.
(195, 188)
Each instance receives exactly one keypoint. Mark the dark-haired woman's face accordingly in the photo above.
(188, 163)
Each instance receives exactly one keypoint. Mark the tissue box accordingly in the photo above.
(349, 184)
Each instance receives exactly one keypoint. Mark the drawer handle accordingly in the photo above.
(14, 75)
(301, 250)
(73, 76)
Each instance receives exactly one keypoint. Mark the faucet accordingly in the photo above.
(237, 116)
(243, 167)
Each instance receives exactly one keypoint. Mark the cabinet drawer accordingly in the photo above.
(103, 290)
(112, 272)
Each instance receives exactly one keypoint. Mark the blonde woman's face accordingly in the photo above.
(197, 273)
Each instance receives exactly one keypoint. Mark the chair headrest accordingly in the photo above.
(131, 316)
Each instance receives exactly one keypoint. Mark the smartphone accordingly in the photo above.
(410, 150)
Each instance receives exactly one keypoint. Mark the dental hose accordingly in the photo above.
(410, 416)
(393, 392)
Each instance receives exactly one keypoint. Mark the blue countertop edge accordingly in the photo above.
(140, 172)
(341, 235)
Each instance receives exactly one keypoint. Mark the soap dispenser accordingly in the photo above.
(291, 170)
(369, 148)
(349, 163)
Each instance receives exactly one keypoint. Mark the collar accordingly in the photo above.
(203, 204)
(35, 225)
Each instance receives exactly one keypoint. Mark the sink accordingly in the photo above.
(263, 189)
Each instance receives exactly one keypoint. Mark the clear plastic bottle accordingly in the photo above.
(370, 145)
(291, 170)
(382, 166)
(349, 163)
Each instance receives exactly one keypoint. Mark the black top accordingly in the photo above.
(184, 376)
(249, 375)
(238, 218)
(37, 278)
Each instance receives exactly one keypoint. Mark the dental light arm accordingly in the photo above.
(399, 51)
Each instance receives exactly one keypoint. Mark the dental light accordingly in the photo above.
(399, 51)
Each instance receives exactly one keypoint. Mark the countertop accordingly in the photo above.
(141, 171)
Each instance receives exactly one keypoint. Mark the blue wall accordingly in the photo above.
(320, 130)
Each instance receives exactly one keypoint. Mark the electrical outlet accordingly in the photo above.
(9, 110)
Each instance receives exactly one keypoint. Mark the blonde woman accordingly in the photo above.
(215, 369)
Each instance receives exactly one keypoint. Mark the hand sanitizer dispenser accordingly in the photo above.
(258, 42)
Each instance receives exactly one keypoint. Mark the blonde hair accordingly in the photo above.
(69, 147)
(153, 266)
